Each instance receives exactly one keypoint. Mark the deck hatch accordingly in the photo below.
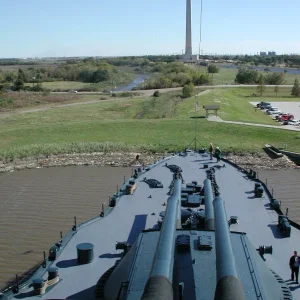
(183, 242)
(204, 243)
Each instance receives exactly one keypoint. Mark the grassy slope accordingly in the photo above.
(29, 100)
(159, 124)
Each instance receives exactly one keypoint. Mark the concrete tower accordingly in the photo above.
(188, 40)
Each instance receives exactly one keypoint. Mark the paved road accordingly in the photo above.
(150, 92)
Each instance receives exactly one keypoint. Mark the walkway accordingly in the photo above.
(286, 127)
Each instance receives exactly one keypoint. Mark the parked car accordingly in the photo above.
(262, 104)
(276, 115)
(273, 112)
(294, 122)
(266, 106)
(285, 117)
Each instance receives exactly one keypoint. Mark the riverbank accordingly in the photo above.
(258, 161)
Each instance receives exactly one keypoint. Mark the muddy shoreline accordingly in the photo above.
(259, 161)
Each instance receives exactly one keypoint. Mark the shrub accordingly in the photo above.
(156, 94)
(188, 90)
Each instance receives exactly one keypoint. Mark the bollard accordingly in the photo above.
(272, 193)
(75, 224)
(44, 262)
(266, 182)
(287, 211)
(102, 212)
(61, 235)
(17, 287)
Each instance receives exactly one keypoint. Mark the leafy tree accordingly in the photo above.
(19, 83)
(85, 76)
(9, 76)
(276, 89)
(21, 75)
(212, 69)
(188, 90)
(182, 78)
(296, 89)
(100, 75)
(245, 76)
(202, 79)
(163, 82)
(261, 85)
(275, 79)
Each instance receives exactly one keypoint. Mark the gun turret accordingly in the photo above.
(209, 209)
(159, 284)
(229, 285)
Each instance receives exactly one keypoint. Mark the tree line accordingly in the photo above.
(249, 76)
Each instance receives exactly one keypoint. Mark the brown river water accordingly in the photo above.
(36, 204)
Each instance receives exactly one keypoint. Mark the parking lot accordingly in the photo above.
(286, 107)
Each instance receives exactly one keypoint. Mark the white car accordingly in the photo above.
(273, 112)
(294, 122)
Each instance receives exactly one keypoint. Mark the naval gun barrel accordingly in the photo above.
(159, 285)
(209, 209)
(229, 285)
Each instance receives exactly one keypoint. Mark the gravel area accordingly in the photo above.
(260, 161)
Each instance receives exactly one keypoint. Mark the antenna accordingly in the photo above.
(200, 28)
(195, 118)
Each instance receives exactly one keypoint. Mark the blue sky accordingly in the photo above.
(139, 27)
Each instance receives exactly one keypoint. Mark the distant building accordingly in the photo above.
(269, 53)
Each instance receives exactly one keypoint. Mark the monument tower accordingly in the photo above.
(188, 39)
(188, 57)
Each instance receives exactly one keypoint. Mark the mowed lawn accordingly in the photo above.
(235, 104)
(227, 75)
(154, 135)
(154, 124)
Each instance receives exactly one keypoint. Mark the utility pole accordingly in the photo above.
(196, 109)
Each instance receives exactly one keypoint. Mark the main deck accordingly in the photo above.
(134, 213)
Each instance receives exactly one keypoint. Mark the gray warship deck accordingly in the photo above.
(134, 213)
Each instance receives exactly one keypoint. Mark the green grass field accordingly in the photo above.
(235, 104)
(153, 124)
(227, 75)
(62, 85)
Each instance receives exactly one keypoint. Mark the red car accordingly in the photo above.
(285, 117)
